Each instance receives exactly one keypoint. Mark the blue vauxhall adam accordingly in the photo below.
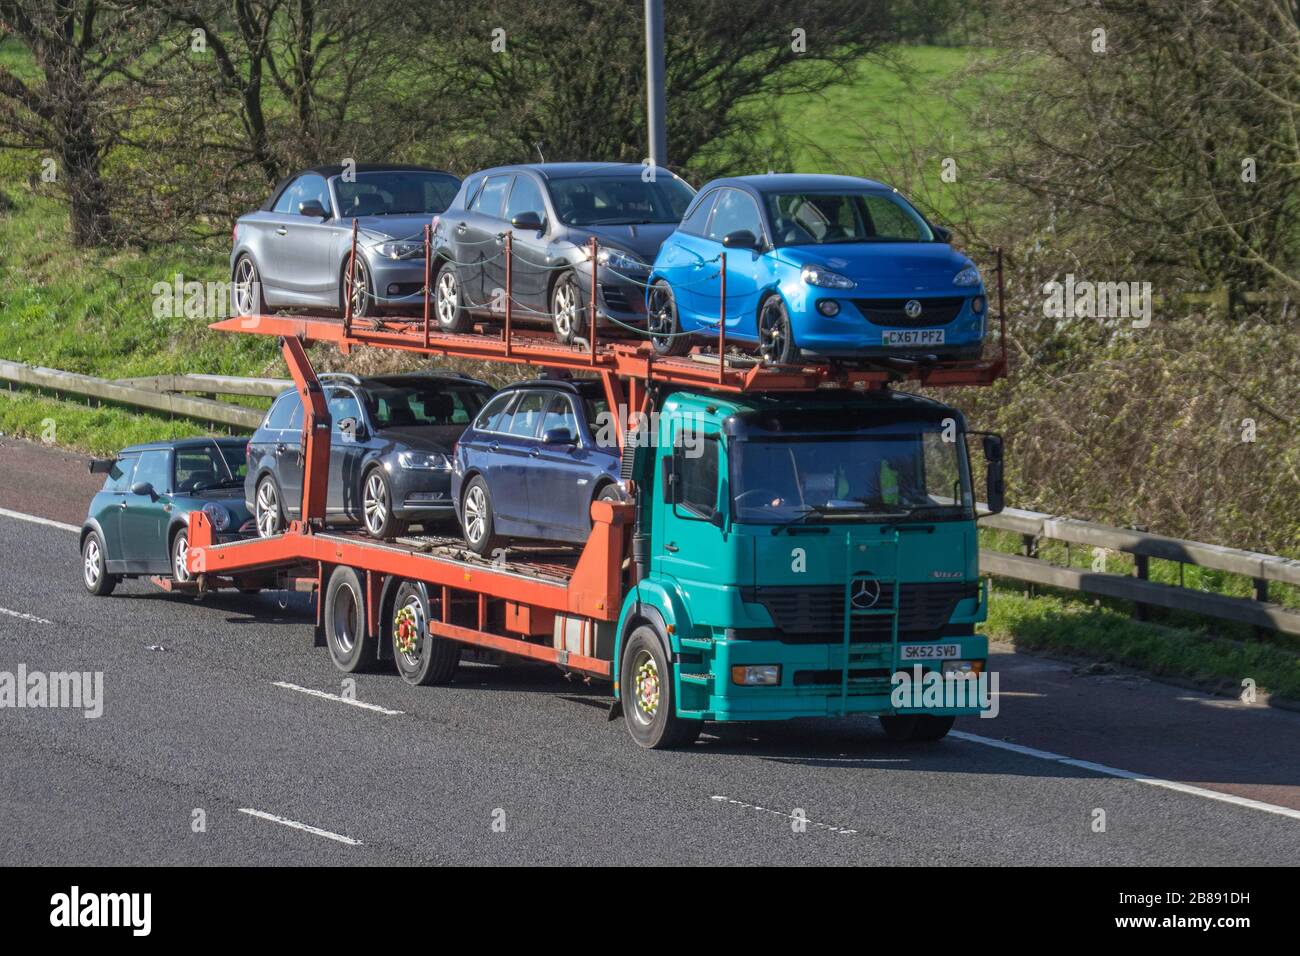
(833, 266)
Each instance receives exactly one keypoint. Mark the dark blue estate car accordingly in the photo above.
(533, 461)
(138, 524)
(390, 446)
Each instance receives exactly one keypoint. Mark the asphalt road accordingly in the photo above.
(516, 765)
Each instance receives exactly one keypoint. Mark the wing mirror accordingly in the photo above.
(102, 466)
(527, 222)
(144, 489)
(941, 234)
(995, 491)
(558, 436)
(312, 208)
(740, 239)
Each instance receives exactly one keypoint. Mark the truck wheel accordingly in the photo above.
(476, 517)
(421, 658)
(646, 688)
(94, 573)
(916, 728)
(345, 623)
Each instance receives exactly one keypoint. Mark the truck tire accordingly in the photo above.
(649, 702)
(351, 649)
(916, 728)
(420, 657)
(94, 571)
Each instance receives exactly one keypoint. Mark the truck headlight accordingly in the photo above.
(756, 675)
(400, 250)
(968, 276)
(825, 279)
(423, 461)
(217, 515)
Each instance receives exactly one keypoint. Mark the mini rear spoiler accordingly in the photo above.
(102, 466)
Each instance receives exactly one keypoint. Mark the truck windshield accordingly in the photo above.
(851, 477)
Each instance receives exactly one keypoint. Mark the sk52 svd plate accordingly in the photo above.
(929, 652)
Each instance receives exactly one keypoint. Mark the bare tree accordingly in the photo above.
(85, 56)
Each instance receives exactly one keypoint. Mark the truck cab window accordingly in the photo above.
(698, 477)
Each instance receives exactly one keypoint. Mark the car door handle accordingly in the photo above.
(495, 446)
(535, 453)
(461, 229)
(281, 231)
(122, 506)
(671, 547)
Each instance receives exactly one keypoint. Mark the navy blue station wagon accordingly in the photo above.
(533, 461)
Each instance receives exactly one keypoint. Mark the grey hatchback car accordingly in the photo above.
(552, 210)
(294, 251)
(391, 442)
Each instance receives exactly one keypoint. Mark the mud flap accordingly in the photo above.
(615, 711)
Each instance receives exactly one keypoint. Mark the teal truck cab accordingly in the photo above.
(792, 554)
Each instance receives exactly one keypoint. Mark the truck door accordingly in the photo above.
(689, 520)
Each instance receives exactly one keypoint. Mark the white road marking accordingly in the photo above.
(22, 616)
(35, 519)
(340, 699)
(1129, 775)
(782, 813)
(261, 815)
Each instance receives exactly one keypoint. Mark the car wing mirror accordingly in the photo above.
(527, 222)
(941, 234)
(740, 239)
(102, 466)
(558, 436)
(144, 489)
(312, 208)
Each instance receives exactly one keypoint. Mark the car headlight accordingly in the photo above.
(618, 259)
(968, 276)
(401, 249)
(825, 279)
(424, 461)
(217, 515)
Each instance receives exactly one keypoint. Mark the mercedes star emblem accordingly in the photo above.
(866, 592)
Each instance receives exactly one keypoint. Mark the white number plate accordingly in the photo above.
(913, 336)
(929, 652)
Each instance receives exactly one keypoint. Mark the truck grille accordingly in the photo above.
(815, 615)
(890, 312)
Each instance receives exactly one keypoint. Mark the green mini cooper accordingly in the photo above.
(138, 524)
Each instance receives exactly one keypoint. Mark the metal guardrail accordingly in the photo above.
(160, 393)
(1033, 527)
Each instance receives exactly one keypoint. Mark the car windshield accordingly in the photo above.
(395, 193)
(856, 477)
(619, 200)
(819, 218)
(210, 466)
(405, 405)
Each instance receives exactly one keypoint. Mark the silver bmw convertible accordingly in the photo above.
(293, 252)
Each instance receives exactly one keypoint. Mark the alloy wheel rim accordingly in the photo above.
(346, 624)
(658, 323)
(646, 687)
(771, 335)
(92, 562)
(448, 298)
(475, 514)
(565, 306)
(358, 291)
(179, 556)
(375, 503)
(245, 276)
(268, 512)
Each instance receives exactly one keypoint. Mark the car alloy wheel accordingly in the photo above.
(476, 514)
(447, 298)
(374, 503)
(662, 321)
(246, 283)
(775, 343)
(565, 308)
(93, 558)
(363, 303)
(180, 552)
(268, 509)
